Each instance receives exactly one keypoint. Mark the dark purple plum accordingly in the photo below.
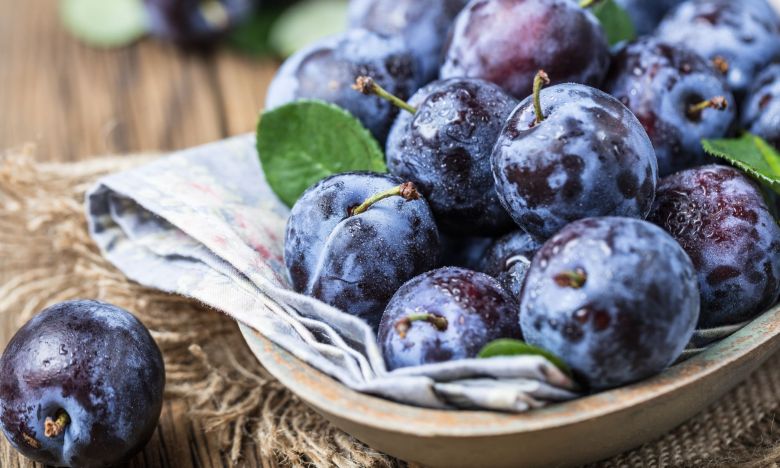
(328, 68)
(464, 252)
(588, 156)
(720, 218)
(445, 315)
(615, 298)
(508, 41)
(444, 148)
(744, 33)
(81, 385)
(678, 96)
(646, 14)
(196, 23)
(508, 260)
(761, 110)
(354, 255)
(423, 24)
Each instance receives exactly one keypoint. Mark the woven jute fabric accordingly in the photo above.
(46, 256)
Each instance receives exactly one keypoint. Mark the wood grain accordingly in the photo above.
(75, 102)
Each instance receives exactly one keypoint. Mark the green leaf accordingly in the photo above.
(307, 21)
(751, 154)
(305, 141)
(509, 347)
(615, 21)
(253, 35)
(104, 23)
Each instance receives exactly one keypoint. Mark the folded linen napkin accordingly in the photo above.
(204, 223)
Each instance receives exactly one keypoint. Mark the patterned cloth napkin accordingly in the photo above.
(204, 223)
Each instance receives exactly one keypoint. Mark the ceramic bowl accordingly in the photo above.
(567, 434)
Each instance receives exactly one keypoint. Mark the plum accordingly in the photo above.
(720, 218)
(507, 41)
(646, 14)
(444, 147)
(677, 95)
(465, 252)
(615, 298)
(327, 69)
(423, 24)
(581, 154)
(81, 385)
(761, 109)
(353, 239)
(196, 23)
(744, 34)
(445, 315)
(509, 258)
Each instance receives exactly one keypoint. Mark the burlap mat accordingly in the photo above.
(46, 256)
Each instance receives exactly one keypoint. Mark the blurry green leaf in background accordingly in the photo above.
(306, 22)
(253, 36)
(281, 31)
(104, 23)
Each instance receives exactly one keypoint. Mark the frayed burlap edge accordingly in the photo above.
(47, 256)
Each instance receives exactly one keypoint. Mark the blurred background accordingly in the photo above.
(80, 78)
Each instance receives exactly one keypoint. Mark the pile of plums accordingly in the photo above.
(542, 186)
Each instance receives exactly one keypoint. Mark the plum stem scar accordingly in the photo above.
(54, 427)
(404, 324)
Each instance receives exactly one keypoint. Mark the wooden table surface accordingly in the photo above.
(75, 102)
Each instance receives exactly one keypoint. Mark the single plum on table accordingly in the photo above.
(353, 239)
(508, 41)
(571, 152)
(327, 69)
(761, 109)
(443, 142)
(81, 385)
(720, 218)
(509, 258)
(679, 97)
(423, 24)
(615, 298)
(742, 35)
(445, 315)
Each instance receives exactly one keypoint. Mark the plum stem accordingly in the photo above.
(571, 279)
(54, 427)
(717, 103)
(407, 191)
(366, 85)
(403, 325)
(721, 64)
(540, 80)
